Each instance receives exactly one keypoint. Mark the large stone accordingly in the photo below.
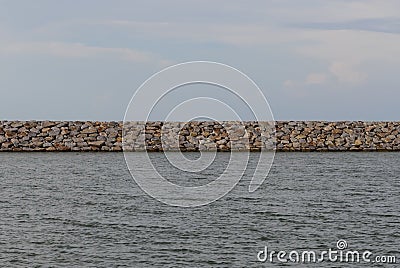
(16, 124)
(96, 143)
(358, 143)
(89, 130)
(6, 145)
(46, 124)
(53, 133)
(10, 134)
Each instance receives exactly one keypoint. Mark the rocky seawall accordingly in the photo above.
(194, 136)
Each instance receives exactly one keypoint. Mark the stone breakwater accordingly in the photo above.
(194, 136)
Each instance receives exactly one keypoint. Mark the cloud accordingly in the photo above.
(322, 44)
(324, 47)
(345, 36)
(204, 31)
(316, 78)
(78, 50)
(350, 45)
(289, 83)
(331, 11)
(384, 25)
(348, 54)
(346, 73)
(337, 73)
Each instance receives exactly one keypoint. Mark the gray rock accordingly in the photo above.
(96, 143)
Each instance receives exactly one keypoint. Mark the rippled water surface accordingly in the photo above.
(85, 210)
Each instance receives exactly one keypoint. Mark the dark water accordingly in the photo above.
(84, 210)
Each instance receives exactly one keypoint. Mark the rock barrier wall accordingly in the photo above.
(194, 136)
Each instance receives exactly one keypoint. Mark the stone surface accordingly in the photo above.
(203, 135)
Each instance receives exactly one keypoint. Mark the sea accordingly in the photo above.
(86, 210)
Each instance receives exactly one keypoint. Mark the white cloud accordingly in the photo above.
(316, 78)
(338, 72)
(310, 79)
(289, 83)
(328, 45)
(78, 50)
(331, 11)
(227, 33)
(350, 46)
(346, 52)
(346, 73)
(350, 53)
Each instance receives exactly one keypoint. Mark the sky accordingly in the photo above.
(312, 59)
